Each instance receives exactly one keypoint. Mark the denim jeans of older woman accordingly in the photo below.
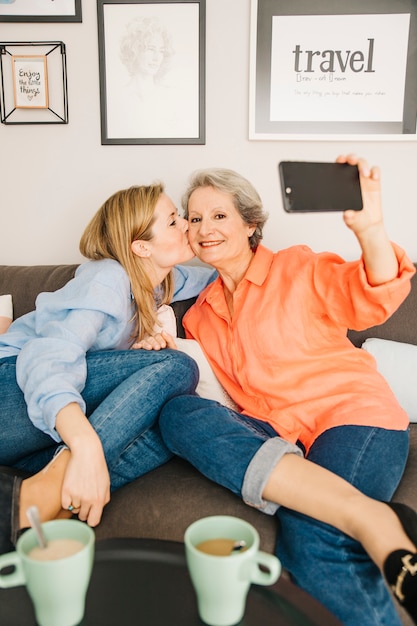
(239, 453)
(124, 394)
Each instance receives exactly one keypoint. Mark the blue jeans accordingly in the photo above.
(233, 450)
(124, 394)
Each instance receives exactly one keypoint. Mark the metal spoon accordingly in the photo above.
(34, 519)
(238, 545)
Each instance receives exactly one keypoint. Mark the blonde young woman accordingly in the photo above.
(68, 376)
(273, 327)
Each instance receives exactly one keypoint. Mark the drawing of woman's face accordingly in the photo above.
(146, 48)
(152, 55)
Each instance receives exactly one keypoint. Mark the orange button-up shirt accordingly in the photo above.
(284, 356)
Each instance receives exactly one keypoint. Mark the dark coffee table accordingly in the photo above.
(145, 582)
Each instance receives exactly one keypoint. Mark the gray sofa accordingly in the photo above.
(164, 502)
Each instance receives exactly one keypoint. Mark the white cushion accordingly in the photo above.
(166, 320)
(397, 362)
(6, 306)
(208, 386)
(6, 312)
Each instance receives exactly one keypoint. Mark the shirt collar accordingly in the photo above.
(260, 266)
(257, 273)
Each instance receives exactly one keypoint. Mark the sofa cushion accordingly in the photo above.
(397, 362)
(401, 326)
(6, 306)
(208, 385)
(25, 282)
(6, 312)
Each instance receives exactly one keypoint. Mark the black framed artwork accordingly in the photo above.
(332, 69)
(40, 11)
(33, 82)
(152, 71)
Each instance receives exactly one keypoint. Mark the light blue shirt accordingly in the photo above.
(93, 311)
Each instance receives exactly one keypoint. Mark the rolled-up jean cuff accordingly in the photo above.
(259, 470)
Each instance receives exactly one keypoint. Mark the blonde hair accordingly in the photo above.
(128, 215)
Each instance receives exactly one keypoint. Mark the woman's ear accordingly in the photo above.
(140, 248)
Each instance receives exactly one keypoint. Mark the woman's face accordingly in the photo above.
(169, 244)
(152, 55)
(216, 231)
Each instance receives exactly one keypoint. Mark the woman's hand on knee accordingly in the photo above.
(86, 486)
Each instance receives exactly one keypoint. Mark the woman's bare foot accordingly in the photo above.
(44, 490)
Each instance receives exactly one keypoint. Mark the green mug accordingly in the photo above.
(56, 587)
(222, 582)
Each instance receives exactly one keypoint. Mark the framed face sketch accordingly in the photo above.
(152, 71)
(333, 69)
(40, 11)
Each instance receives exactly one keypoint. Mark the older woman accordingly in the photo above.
(273, 327)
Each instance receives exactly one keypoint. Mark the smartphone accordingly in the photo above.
(308, 186)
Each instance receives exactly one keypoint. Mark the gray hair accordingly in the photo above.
(244, 196)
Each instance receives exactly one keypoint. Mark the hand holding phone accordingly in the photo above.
(320, 187)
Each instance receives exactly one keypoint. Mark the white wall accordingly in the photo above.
(53, 178)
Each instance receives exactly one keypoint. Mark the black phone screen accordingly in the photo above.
(310, 186)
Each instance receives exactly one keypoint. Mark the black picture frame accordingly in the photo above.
(280, 108)
(38, 15)
(152, 71)
(52, 88)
